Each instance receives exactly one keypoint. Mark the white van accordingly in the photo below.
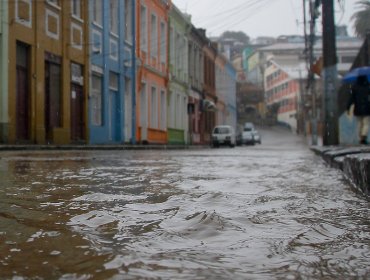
(223, 135)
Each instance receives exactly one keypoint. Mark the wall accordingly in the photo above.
(107, 63)
(3, 72)
(46, 28)
(152, 71)
(178, 79)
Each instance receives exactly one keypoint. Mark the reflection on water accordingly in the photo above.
(238, 213)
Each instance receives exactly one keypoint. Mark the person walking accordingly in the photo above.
(360, 97)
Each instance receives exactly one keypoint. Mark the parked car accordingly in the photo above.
(223, 135)
(257, 137)
(248, 135)
(249, 125)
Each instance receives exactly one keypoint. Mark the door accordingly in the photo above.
(114, 116)
(22, 104)
(128, 112)
(53, 111)
(77, 113)
(22, 93)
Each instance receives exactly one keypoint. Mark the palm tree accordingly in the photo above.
(362, 18)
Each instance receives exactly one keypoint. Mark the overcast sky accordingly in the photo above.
(258, 17)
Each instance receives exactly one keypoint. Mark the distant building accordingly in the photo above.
(208, 117)
(196, 79)
(283, 91)
(226, 92)
(280, 59)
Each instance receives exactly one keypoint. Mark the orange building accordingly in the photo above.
(152, 73)
(49, 64)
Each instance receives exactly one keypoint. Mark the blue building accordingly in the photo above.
(112, 75)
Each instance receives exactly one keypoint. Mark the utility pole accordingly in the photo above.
(330, 135)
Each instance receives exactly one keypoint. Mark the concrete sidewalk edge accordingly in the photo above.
(354, 162)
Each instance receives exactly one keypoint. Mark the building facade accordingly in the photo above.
(196, 80)
(208, 117)
(226, 92)
(230, 79)
(282, 94)
(152, 71)
(112, 29)
(4, 120)
(48, 91)
(178, 132)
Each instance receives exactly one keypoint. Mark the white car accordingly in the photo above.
(248, 136)
(223, 135)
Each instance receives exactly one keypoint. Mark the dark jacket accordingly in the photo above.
(360, 96)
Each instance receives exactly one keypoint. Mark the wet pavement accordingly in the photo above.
(270, 211)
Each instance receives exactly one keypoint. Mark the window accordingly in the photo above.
(98, 12)
(178, 111)
(154, 109)
(143, 29)
(113, 5)
(163, 110)
(163, 42)
(153, 36)
(143, 106)
(172, 44)
(76, 8)
(178, 50)
(113, 81)
(171, 110)
(97, 100)
(128, 21)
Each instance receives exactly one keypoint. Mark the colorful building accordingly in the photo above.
(177, 114)
(152, 71)
(4, 120)
(208, 117)
(283, 92)
(48, 58)
(226, 92)
(196, 79)
(112, 29)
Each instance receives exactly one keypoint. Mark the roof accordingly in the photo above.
(348, 43)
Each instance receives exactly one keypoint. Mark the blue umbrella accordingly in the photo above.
(351, 76)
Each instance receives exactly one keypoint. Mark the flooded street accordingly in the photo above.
(270, 211)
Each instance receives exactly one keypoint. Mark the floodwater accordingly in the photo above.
(270, 211)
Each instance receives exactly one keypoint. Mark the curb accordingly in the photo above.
(353, 161)
(97, 147)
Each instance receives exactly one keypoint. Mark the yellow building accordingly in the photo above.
(48, 71)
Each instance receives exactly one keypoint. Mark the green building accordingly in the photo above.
(177, 115)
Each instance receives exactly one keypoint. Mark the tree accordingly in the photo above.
(237, 35)
(362, 18)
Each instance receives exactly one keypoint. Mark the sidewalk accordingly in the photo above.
(354, 161)
(97, 147)
(31, 147)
